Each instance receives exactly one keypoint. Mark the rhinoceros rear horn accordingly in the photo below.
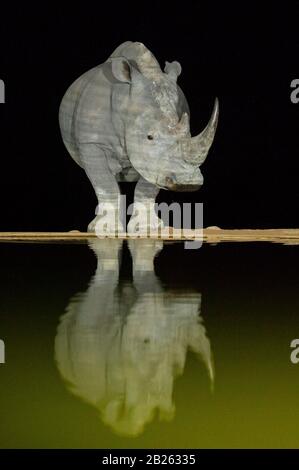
(183, 127)
(197, 148)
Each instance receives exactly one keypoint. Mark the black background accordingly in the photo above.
(245, 56)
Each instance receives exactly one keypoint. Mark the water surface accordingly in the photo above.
(135, 344)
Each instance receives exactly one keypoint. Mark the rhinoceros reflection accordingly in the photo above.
(120, 345)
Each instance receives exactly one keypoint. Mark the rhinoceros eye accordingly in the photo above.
(150, 137)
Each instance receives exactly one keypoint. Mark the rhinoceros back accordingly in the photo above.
(85, 114)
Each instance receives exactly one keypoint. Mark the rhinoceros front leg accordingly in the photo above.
(144, 217)
(94, 162)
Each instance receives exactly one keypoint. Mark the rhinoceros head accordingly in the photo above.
(157, 130)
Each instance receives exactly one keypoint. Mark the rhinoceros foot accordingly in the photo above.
(105, 226)
(145, 222)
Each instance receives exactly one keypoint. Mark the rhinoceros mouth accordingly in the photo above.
(186, 188)
(172, 185)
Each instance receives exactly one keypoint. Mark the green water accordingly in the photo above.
(191, 352)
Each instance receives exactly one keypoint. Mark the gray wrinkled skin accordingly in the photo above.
(126, 120)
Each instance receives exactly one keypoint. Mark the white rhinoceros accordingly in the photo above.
(126, 120)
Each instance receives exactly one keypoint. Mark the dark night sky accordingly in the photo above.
(245, 57)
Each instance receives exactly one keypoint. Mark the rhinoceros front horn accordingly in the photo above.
(196, 148)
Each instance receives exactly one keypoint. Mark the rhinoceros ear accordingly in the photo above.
(173, 69)
(121, 69)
